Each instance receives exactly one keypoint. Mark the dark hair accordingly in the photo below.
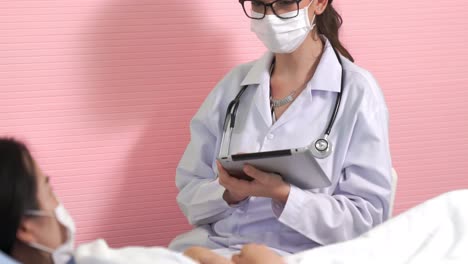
(18, 189)
(328, 24)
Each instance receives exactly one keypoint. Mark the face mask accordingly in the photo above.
(63, 253)
(282, 35)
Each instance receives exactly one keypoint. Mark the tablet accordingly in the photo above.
(297, 166)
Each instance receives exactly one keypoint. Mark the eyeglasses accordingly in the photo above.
(256, 9)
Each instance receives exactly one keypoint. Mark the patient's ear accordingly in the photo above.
(25, 232)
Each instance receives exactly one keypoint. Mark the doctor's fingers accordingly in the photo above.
(225, 182)
(223, 175)
(257, 174)
(239, 259)
(247, 255)
(259, 254)
(206, 256)
(251, 249)
(234, 185)
(220, 167)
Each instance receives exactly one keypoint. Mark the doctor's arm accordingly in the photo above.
(200, 194)
(361, 198)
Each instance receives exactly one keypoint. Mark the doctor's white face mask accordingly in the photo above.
(63, 253)
(282, 35)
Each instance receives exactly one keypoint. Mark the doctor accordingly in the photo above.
(289, 100)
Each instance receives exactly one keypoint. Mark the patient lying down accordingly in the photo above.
(433, 232)
(35, 228)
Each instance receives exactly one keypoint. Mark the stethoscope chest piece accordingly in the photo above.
(322, 148)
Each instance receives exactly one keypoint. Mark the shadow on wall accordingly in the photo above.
(154, 64)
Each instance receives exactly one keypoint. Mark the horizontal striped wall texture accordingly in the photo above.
(103, 92)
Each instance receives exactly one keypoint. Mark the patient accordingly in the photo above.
(36, 228)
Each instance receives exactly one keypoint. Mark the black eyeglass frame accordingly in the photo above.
(271, 7)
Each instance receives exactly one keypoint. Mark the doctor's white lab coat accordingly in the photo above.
(359, 167)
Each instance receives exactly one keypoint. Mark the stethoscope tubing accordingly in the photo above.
(322, 146)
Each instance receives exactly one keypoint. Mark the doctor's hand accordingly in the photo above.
(257, 254)
(205, 256)
(264, 184)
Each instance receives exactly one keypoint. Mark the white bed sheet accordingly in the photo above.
(433, 232)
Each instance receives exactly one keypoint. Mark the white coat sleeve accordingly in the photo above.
(200, 194)
(361, 198)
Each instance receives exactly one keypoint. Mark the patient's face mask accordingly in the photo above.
(63, 253)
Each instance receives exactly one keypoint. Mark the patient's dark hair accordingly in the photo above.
(18, 189)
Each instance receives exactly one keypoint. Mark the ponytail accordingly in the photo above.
(328, 24)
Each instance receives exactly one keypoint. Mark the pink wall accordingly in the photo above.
(103, 92)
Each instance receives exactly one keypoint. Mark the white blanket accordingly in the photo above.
(433, 232)
(98, 252)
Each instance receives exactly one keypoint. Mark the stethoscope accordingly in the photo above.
(322, 148)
